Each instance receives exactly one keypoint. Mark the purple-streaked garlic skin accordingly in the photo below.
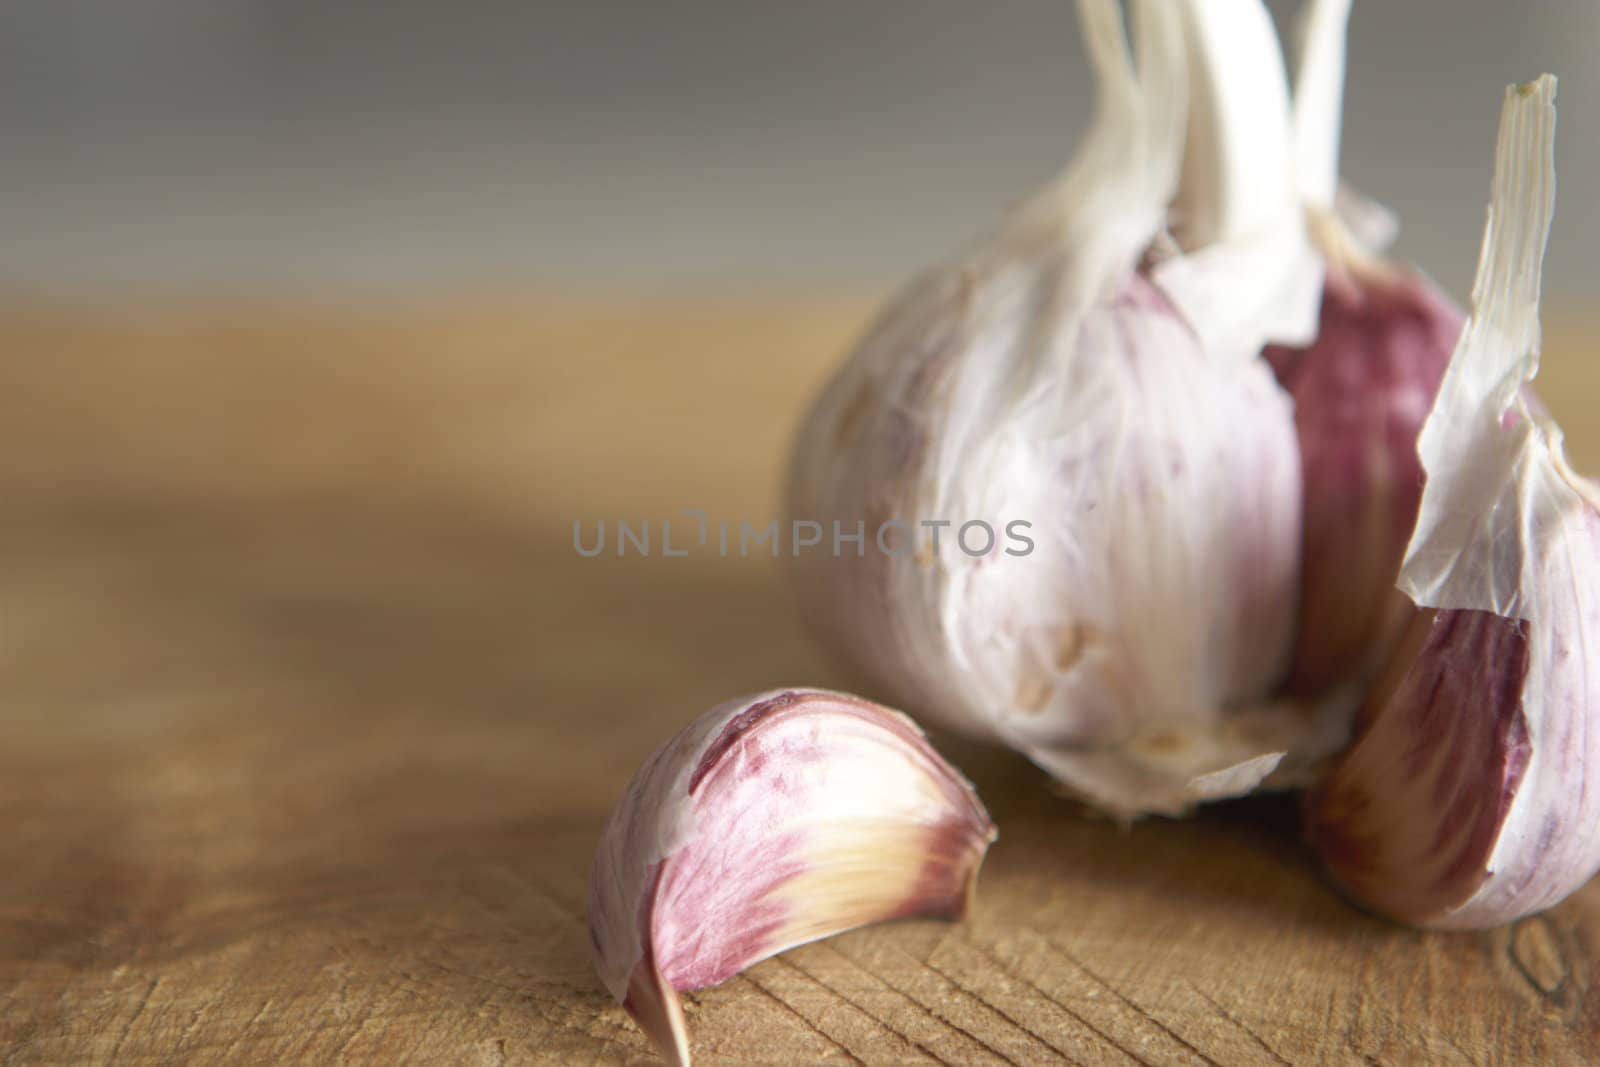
(769, 822)
(1408, 817)
(1470, 797)
(1361, 391)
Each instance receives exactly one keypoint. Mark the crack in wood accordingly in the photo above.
(809, 1025)
(195, 1018)
(1082, 1020)
(514, 990)
(238, 1035)
(1230, 1017)
(134, 1019)
(920, 1006)
(1135, 1008)
(344, 1046)
(991, 1006)
(883, 1023)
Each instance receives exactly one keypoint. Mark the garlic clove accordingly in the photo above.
(1094, 370)
(1407, 819)
(1468, 797)
(769, 822)
(1361, 391)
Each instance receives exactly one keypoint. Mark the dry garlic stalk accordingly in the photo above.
(1471, 796)
(1094, 370)
(1361, 391)
(772, 821)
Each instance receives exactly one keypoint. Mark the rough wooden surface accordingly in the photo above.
(311, 715)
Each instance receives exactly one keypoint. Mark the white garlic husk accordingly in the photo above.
(1471, 795)
(1094, 371)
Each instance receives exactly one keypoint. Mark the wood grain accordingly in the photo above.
(312, 714)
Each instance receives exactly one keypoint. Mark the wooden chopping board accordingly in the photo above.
(310, 715)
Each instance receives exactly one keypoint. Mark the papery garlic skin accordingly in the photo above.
(1470, 797)
(1099, 377)
(771, 821)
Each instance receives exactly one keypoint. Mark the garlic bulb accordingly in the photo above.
(1361, 391)
(771, 821)
(1093, 370)
(1470, 796)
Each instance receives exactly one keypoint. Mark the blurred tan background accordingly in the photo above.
(300, 144)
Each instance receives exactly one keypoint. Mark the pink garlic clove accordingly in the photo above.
(1469, 797)
(1463, 801)
(1408, 818)
(1361, 392)
(769, 822)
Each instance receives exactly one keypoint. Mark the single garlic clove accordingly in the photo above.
(1469, 797)
(769, 822)
(1093, 371)
(1361, 391)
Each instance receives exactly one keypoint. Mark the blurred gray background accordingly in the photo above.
(288, 143)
